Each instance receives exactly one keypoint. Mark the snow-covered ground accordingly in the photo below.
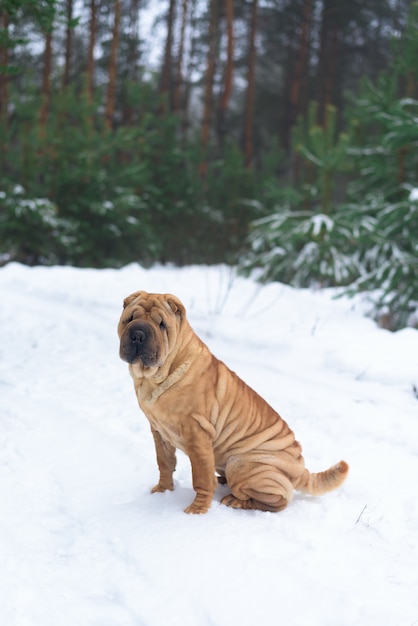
(82, 540)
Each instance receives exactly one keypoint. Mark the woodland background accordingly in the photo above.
(278, 135)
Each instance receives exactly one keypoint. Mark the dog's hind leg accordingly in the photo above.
(256, 484)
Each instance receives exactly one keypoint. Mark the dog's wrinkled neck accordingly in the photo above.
(150, 387)
(151, 393)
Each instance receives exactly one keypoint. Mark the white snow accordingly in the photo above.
(82, 540)
(319, 221)
(414, 194)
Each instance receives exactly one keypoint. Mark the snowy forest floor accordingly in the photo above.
(83, 541)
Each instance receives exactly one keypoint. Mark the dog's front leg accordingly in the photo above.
(200, 452)
(166, 459)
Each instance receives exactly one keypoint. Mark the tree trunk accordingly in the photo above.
(327, 59)
(4, 77)
(229, 68)
(133, 62)
(4, 93)
(46, 79)
(187, 89)
(134, 41)
(208, 90)
(90, 53)
(111, 86)
(295, 104)
(409, 91)
(166, 86)
(68, 44)
(249, 109)
(331, 74)
(179, 73)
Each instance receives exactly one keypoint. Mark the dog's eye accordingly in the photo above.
(162, 325)
(129, 319)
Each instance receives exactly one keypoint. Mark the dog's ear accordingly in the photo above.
(175, 305)
(127, 301)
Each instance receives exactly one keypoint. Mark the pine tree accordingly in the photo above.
(384, 202)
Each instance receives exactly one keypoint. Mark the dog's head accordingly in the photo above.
(148, 330)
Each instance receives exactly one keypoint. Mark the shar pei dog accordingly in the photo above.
(196, 403)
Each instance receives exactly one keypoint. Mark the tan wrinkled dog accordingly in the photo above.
(195, 403)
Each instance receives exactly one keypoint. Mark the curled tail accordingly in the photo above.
(316, 484)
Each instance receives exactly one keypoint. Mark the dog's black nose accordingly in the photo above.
(137, 336)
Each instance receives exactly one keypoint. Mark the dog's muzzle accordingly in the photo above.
(139, 342)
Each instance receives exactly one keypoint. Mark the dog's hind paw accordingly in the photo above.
(253, 504)
(236, 503)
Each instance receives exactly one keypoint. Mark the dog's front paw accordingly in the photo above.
(200, 504)
(161, 487)
(196, 509)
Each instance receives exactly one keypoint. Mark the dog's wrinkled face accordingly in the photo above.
(148, 330)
